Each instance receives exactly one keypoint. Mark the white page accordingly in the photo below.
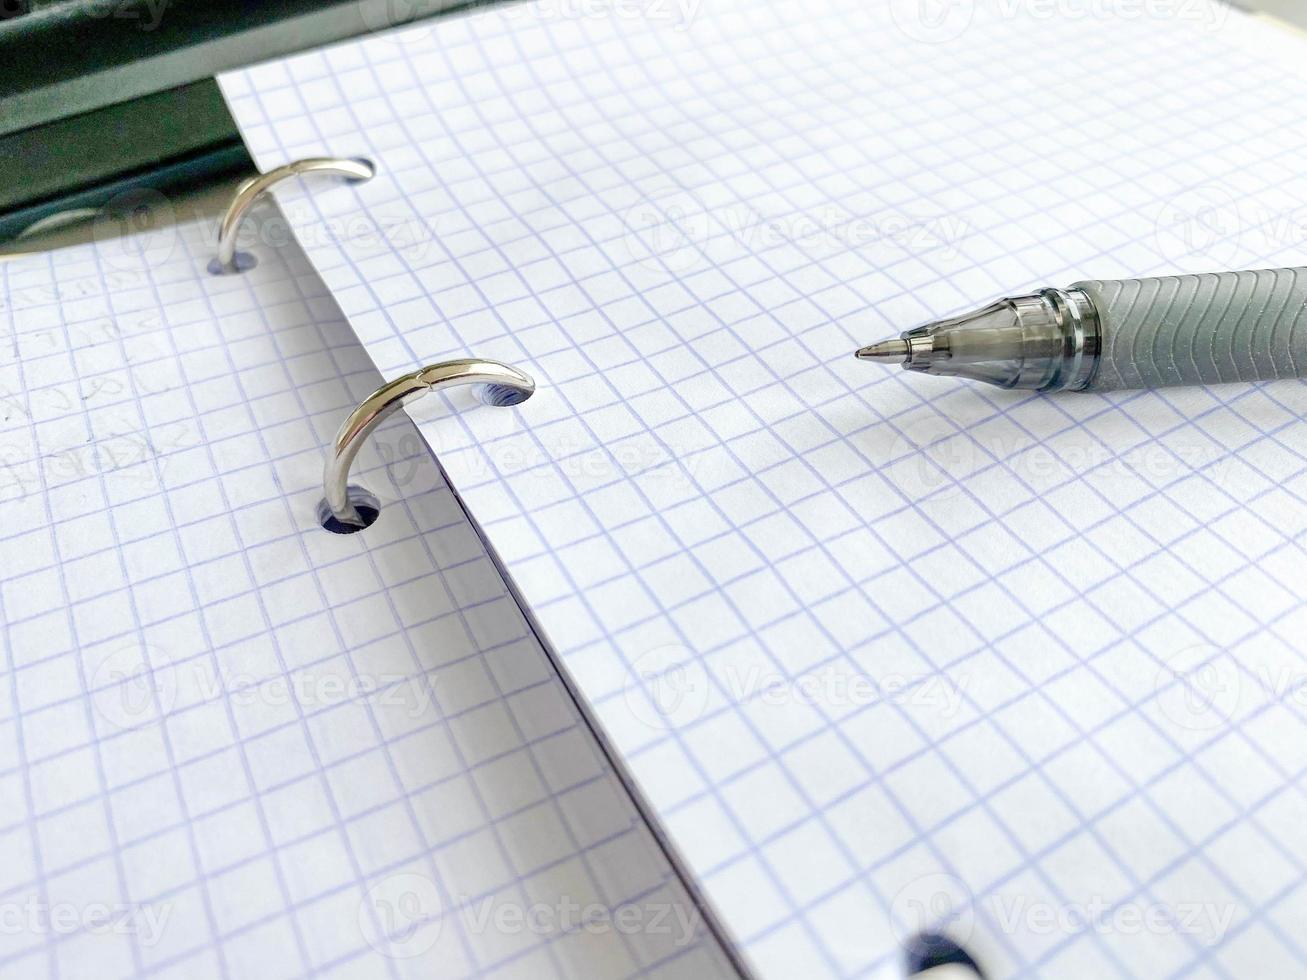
(882, 651)
(234, 744)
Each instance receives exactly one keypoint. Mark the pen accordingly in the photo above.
(1110, 335)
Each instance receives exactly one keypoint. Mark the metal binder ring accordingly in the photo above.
(505, 385)
(248, 192)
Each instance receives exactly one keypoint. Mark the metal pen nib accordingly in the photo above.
(891, 351)
(1046, 341)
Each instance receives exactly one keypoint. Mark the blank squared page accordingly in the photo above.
(233, 744)
(882, 652)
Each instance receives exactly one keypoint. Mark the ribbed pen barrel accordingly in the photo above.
(1200, 329)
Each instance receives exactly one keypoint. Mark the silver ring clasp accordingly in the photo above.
(250, 190)
(505, 385)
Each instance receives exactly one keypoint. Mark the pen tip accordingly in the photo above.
(890, 351)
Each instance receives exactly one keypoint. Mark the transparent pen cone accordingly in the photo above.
(1030, 342)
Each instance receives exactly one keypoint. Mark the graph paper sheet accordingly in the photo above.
(233, 744)
(882, 651)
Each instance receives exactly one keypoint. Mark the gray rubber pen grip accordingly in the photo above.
(1200, 329)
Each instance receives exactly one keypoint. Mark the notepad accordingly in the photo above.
(883, 654)
(233, 743)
